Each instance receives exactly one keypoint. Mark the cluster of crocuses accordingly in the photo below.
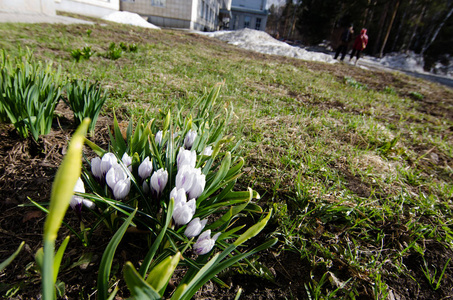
(189, 185)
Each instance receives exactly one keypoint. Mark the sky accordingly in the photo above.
(276, 2)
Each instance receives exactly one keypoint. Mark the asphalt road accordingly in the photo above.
(444, 80)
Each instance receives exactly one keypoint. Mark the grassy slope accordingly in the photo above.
(356, 163)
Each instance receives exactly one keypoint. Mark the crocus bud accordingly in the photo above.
(186, 157)
(205, 243)
(195, 227)
(191, 180)
(96, 168)
(184, 212)
(77, 201)
(122, 188)
(159, 181)
(184, 178)
(145, 187)
(118, 181)
(198, 184)
(127, 161)
(190, 138)
(107, 161)
(158, 137)
(145, 168)
(207, 151)
(179, 195)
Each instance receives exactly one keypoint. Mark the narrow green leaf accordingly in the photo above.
(160, 275)
(65, 180)
(107, 259)
(139, 288)
(58, 258)
(7, 261)
(61, 194)
(152, 251)
(254, 230)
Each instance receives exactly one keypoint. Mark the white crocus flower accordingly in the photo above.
(191, 180)
(207, 151)
(77, 201)
(184, 211)
(159, 181)
(145, 168)
(127, 161)
(118, 181)
(158, 137)
(179, 195)
(186, 157)
(107, 161)
(96, 168)
(205, 243)
(190, 138)
(122, 188)
(195, 227)
(185, 177)
(198, 184)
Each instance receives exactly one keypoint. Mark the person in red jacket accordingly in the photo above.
(359, 44)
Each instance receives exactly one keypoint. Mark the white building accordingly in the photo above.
(46, 7)
(94, 8)
(191, 14)
(248, 14)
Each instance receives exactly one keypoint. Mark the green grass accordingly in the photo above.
(358, 167)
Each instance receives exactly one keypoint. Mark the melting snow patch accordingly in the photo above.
(129, 18)
(410, 61)
(262, 42)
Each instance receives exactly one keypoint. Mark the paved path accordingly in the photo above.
(444, 80)
(10, 17)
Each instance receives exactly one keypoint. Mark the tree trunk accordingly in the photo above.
(400, 27)
(381, 26)
(395, 10)
(436, 32)
(414, 32)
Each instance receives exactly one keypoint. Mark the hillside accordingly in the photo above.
(356, 164)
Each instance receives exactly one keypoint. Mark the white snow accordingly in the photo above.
(262, 42)
(125, 17)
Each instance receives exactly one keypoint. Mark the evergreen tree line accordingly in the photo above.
(422, 26)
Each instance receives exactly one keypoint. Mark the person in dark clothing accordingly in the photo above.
(359, 44)
(346, 37)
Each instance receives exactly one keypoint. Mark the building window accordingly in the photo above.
(258, 24)
(160, 3)
(202, 9)
(247, 22)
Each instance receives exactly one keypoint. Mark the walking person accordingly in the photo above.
(346, 37)
(359, 44)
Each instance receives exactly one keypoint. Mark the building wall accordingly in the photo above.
(94, 8)
(248, 14)
(252, 4)
(254, 21)
(46, 7)
(190, 14)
